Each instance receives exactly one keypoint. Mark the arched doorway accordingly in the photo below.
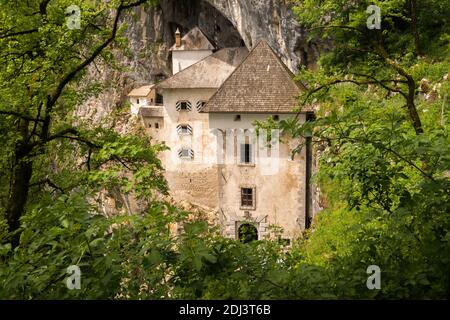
(247, 232)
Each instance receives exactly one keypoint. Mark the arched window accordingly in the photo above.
(247, 232)
(183, 105)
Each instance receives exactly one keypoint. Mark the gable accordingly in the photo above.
(208, 73)
(260, 84)
(194, 40)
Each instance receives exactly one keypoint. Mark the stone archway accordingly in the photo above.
(247, 232)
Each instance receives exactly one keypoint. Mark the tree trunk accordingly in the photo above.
(21, 176)
(414, 26)
(410, 95)
(413, 114)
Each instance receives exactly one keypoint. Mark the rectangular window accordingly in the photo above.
(157, 125)
(246, 153)
(159, 99)
(247, 197)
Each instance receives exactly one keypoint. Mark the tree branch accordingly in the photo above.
(49, 182)
(77, 137)
(19, 115)
(71, 75)
(18, 33)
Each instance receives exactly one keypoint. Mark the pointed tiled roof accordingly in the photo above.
(260, 84)
(141, 91)
(210, 72)
(194, 40)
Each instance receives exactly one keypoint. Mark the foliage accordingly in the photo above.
(381, 131)
(43, 76)
(384, 149)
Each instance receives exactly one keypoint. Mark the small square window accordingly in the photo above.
(247, 197)
(276, 117)
(183, 106)
(185, 153)
(184, 130)
(237, 117)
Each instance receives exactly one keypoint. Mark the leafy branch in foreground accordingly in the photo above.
(42, 66)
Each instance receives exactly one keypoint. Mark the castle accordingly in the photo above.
(206, 112)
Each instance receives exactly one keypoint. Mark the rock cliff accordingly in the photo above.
(227, 23)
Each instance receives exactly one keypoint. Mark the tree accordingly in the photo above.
(381, 133)
(382, 58)
(43, 64)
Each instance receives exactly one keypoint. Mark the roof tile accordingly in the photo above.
(260, 84)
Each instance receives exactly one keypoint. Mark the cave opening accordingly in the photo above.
(188, 14)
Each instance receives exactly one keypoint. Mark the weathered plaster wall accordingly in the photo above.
(184, 59)
(226, 120)
(280, 195)
(205, 181)
(195, 180)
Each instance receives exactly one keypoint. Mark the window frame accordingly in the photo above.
(247, 204)
(185, 104)
(201, 104)
(189, 130)
(250, 156)
(180, 103)
(190, 152)
(184, 129)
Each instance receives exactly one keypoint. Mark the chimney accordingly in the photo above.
(177, 38)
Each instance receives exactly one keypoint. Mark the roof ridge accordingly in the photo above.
(261, 99)
(231, 74)
(278, 58)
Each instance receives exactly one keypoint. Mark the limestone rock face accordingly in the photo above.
(227, 23)
(274, 21)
